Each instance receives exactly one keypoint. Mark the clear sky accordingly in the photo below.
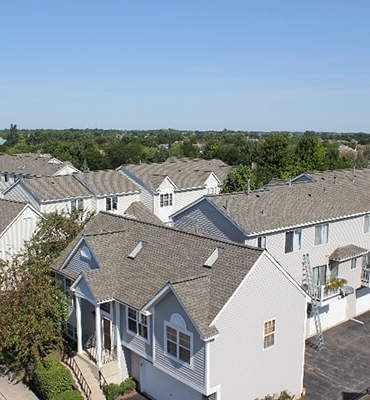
(186, 64)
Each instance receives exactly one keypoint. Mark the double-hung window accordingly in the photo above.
(269, 330)
(367, 223)
(137, 323)
(166, 200)
(178, 344)
(293, 240)
(111, 203)
(262, 242)
(77, 205)
(321, 234)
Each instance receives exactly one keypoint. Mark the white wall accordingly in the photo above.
(239, 363)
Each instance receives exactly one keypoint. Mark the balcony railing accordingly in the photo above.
(323, 294)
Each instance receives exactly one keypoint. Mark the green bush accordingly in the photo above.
(69, 395)
(50, 378)
(112, 391)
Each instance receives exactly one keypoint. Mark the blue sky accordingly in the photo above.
(186, 64)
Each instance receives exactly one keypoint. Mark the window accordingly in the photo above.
(321, 234)
(137, 323)
(71, 331)
(178, 344)
(111, 203)
(105, 307)
(354, 263)
(293, 240)
(262, 242)
(367, 223)
(319, 275)
(166, 199)
(269, 334)
(77, 205)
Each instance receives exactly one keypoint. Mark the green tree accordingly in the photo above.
(13, 135)
(32, 308)
(237, 180)
(310, 153)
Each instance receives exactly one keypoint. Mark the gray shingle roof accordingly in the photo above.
(333, 195)
(33, 164)
(169, 256)
(347, 252)
(138, 211)
(56, 187)
(184, 172)
(8, 211)
(107, 182)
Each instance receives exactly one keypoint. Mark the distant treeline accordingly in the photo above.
(263, 155)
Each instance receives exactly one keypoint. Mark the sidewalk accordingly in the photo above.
(14, 389)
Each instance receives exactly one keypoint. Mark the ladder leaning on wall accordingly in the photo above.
(315, 308)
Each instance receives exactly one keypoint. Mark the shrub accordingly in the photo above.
(112, 391)
(69, 395)
(51, 378)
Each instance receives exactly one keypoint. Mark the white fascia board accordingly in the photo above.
(18, 215)
(157, 297)
(171, 182)
(195, 202)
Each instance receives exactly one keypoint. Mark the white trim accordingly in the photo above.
(264, 335)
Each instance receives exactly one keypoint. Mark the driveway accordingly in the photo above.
(341, 371)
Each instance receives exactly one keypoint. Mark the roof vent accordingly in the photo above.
(263, 212)
(325, 189)
(213, 257)
(354, 174)
(137, 250)
(335, 179)
(227, 205)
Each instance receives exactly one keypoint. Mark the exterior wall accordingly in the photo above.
(134, 342)
(341, 233)
(124, 201)
(239, 363)
(186, 197)
(66, 170)
(210, 222)
(21, 230)
(65, 205)
(193, 374)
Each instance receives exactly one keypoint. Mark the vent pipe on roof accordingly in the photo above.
(197, 226)
(263, 212)
(227, 205)
(325, 189)
(354, 174)
(290, 182)
(249, 188)
(335, 179)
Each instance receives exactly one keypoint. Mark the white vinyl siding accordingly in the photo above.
(367, 223)
(321, 234)
(293, 240)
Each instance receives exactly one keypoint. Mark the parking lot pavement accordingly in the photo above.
(341, 371)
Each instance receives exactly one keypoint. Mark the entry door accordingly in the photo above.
(107, 334)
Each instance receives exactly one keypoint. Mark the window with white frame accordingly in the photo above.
(262, 242)
(178, 340)
(293, 240)
(77, 205)
(111, 203)
(269, 330)
(321, 234)
(367, 223)
(320, 275)
(137, 323)
(166, 200)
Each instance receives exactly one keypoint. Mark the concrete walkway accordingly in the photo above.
(12, 389)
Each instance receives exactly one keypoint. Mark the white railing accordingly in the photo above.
(323, 294)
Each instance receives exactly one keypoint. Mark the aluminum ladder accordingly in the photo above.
(315, 308)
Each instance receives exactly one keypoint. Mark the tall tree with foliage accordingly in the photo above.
(237, 180)
(310, 153)
(32, 308)
(13, 135)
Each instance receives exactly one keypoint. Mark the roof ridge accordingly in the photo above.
(189, 279)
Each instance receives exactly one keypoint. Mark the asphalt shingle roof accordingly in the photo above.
(138, 211)
(333, 195)
(169, 256)
(347, 252)
(106, 182)
(8, 212)
(184, 172)
(30, 164)
(56, 187)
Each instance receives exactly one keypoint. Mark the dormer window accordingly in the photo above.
(137, 250)
(166, 199)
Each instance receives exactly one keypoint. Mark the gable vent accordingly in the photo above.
(137, 250)
(213, 257)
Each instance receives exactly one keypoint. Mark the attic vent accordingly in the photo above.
(85, 252)
(213, 257)
(137, 250)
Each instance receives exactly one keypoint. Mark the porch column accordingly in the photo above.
(118, 335)
(98, 335)
(78, 325)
